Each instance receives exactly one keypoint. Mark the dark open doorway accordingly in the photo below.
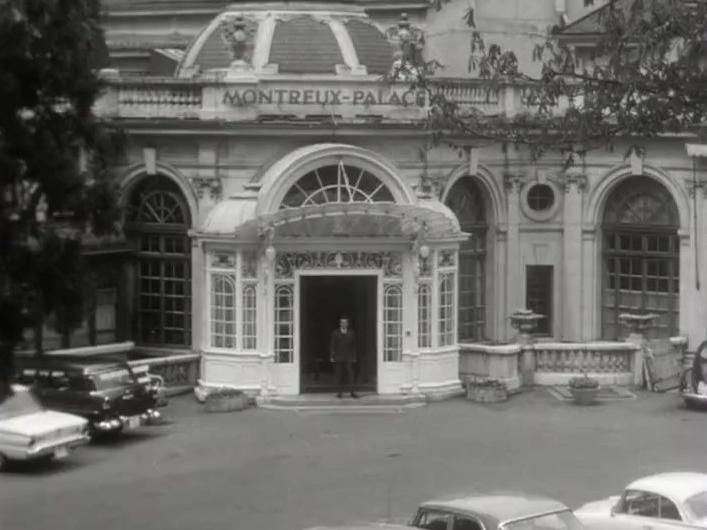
(323, 299)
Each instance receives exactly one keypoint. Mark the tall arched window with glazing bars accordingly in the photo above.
(157, 220)
(392, 323)
(466, 200)
(641, 256)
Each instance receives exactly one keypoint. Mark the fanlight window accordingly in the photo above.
(336, 184)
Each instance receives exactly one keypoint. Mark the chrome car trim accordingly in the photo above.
(526, 517)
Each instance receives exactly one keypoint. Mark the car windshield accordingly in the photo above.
(698, 505)
(20, 403)
(113, 378)
(564, 520)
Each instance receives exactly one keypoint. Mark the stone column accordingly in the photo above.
(524, 321)
(637, 324)
(514, 271)
(572, 266)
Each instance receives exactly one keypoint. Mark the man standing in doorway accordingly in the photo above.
(342, 348)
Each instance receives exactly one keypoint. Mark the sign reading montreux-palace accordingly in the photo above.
(324, 96)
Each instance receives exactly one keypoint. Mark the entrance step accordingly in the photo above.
(330, 403)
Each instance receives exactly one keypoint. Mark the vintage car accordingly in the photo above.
(513, 511)
(691, 392)
(29, 432)
(365, 526)
(154, 384)
(666, 501)
(102, 389)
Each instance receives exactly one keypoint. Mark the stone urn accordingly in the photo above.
(225, 399)
(524, 321)
(637, 323)
(486, 390)
(584, 390)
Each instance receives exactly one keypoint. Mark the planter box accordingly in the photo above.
(486, 393)
(584, 396)
(226, 403)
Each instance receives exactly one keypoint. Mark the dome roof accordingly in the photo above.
(290, 38)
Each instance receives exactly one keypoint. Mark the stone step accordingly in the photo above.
(329, 402)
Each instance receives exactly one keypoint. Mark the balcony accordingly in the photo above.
(275, 98)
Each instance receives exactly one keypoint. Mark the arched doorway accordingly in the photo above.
(157, 220)
(641, 264)
(465, 198)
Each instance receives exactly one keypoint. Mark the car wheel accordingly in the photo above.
(3, 462)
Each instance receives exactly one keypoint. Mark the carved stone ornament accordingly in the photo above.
(408, 43)
(696, 184)
(447, 258)
(223, 261)
(513, 181)
(572, 178)
(212, 184)
(287, 262)
(238, 33)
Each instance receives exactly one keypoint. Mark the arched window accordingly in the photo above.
(392, 323)
(284, 324)
(641, 269)
(336, 183)
(465, 199)
(158, 219)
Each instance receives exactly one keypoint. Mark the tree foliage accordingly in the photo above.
(53, 162)
(643, 75)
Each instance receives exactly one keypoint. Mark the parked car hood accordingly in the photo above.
(601, 507)
(42, 422)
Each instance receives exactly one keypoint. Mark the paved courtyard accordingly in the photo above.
(284, 470)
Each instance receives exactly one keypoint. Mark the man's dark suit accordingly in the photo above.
(342, 348)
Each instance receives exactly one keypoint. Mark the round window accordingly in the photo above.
(541, 197)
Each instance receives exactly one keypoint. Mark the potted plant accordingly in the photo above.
(584, 389)
(486, 390)
(225, 399)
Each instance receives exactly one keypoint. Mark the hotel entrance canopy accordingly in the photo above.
(431, 221)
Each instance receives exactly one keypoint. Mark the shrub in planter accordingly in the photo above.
(486, 390)
(225, 399)
(584, 389)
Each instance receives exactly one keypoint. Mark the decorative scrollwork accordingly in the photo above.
(287, 262)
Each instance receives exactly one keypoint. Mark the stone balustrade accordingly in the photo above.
(554, 363)
(219, 97)
(177, 371)
(609, 362)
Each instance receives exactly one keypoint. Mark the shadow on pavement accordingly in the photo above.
(43, 467)
(125, 439)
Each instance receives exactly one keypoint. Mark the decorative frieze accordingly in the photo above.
(222, 261)
(210, 184)
(287, 262)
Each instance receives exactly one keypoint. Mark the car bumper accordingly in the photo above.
(120, 423)
(695, 399)
(49, 448)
